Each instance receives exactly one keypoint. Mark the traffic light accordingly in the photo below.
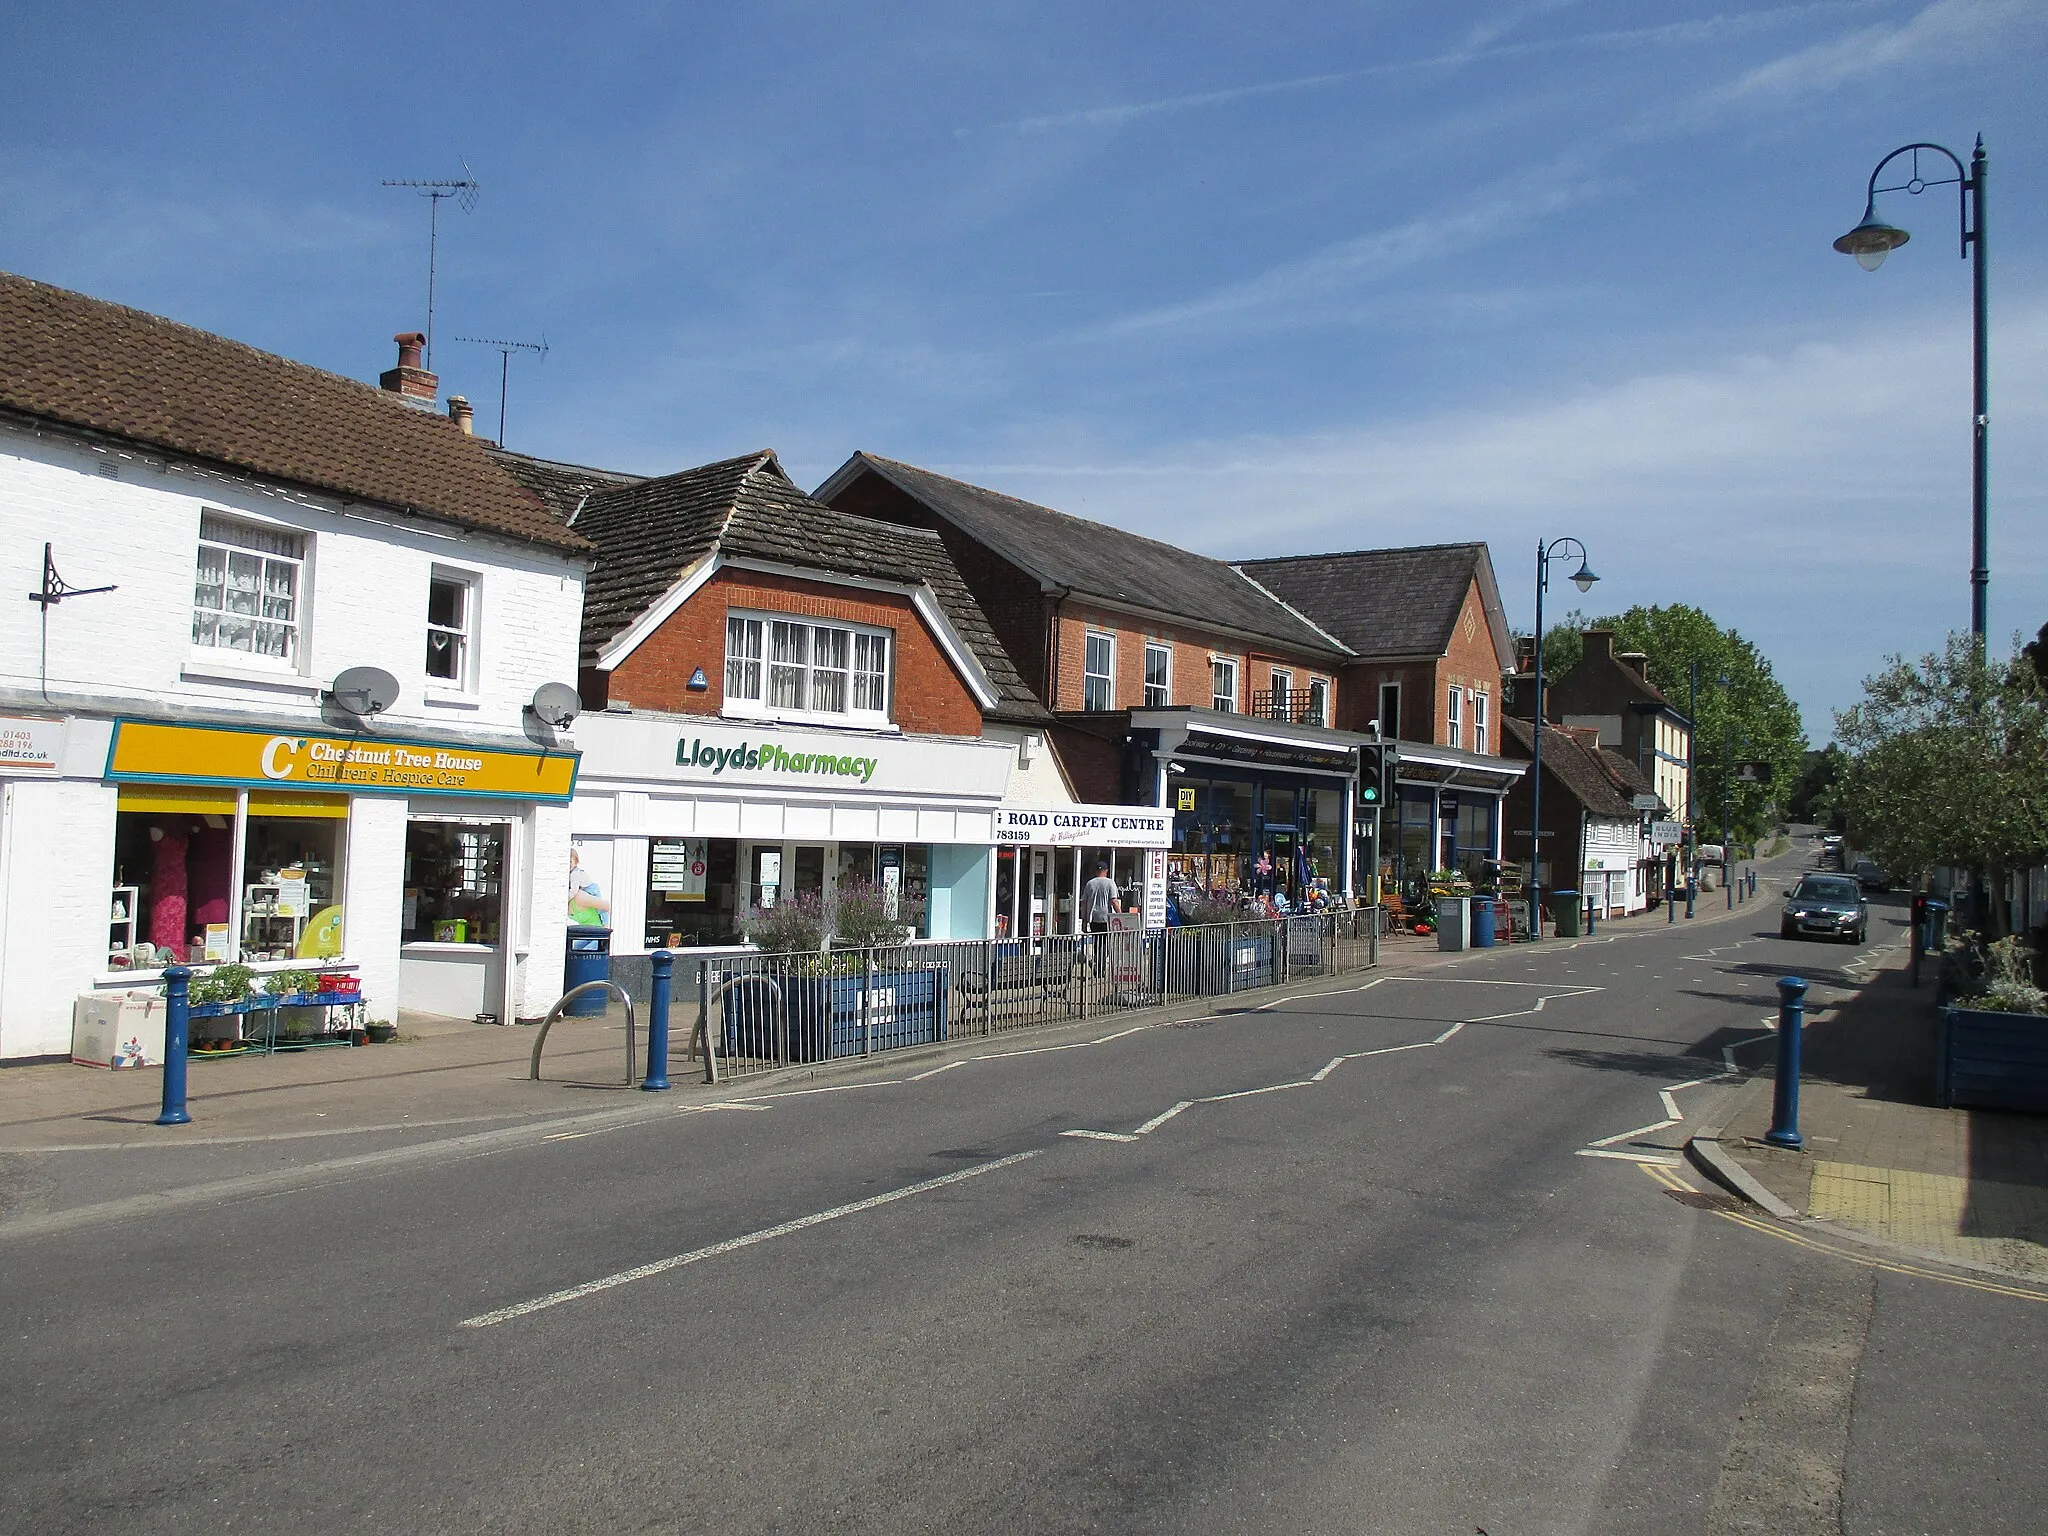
(1373, 763)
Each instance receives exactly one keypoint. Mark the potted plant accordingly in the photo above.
(223, 990)
(381, 1031)
(1991, 1048)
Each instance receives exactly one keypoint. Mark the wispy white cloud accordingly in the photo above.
(1945, 31)
(1347, 266)
(1685, 33)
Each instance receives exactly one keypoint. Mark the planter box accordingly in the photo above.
(823, 1014)
(1988, 1060)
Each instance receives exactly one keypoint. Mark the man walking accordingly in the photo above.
(1098, 901)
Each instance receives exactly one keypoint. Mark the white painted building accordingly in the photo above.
(179, 780)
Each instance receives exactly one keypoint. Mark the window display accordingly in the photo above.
(692, 892)
(291, 880)
(454, 882)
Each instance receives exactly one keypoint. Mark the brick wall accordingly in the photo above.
(1469, 661)
(1189, 675)
(930, 697)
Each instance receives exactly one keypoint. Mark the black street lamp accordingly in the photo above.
(1584, 578)
(1873, 240)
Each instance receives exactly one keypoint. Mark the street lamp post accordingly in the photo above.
(1727, 789)
(1584, 578)
(1873, 240)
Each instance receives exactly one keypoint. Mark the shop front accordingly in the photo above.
(1445, 815)
(683, 827)
(1045, 855)
(277, 849)
(1261, 809)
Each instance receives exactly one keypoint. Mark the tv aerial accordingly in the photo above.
(505, 351)
(465, 191)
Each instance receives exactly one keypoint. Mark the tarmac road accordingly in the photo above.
(1332, 1265)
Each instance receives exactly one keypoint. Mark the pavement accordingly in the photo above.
(1967, 1187)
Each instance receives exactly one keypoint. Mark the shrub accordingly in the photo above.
(863, 921)
(794, 925)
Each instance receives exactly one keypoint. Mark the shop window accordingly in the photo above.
(1390, 710)
(1158, 676)
(176, 891)
(451, 605)
(1479, 722)
(809, 669)
(247, 588)
(454, 882)
(1098, 673)
(1453, 718)
(692, 892)
(291, 876)
(1223, 685)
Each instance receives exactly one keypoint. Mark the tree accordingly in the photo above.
(1949, 763)
(1810, 799)
(1752, 720)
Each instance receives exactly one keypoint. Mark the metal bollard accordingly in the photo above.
(1670, 903)
(1589, 917)
(656, 1080)
(177, 1044)
(1752, 885)
(1692, 890)
(1784, 1131)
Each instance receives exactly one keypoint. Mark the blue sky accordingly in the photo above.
(1255, 279)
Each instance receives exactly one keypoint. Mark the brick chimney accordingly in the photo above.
(409, 381)
(1599, 645)
(460, 413)
(1637, 662)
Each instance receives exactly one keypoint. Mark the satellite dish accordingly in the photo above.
(364, 691)
(556, 704)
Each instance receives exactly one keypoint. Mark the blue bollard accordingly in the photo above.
(1752, 885)
(177, 1044)
(1692, 890)
(1670, 903)
(656, 1080)
(1784, 1131)
(1589, 917)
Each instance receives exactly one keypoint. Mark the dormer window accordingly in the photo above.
(794, 667)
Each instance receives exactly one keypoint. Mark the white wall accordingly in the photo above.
(1038, 782)
(56, 876)
(365, 598)
(372, 920)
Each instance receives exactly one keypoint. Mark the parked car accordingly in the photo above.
(1870, 876)
(1825, 906)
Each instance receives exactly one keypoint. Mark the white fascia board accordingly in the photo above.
(659, 613)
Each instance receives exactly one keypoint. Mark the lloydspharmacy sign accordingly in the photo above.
(766, 757)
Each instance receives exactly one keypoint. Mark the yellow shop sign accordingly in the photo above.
(147, 752)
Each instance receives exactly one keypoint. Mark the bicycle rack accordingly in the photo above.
(555, 1013)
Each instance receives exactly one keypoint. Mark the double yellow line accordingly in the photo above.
(1671, 1179)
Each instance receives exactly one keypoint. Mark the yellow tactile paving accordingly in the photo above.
(2005, 1225)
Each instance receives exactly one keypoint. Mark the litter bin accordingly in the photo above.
(590, 959)
(1935, 939)
(1567, 914)
(1453, 922)
(1482, 923)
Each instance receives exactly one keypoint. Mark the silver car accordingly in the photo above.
(1825, 906)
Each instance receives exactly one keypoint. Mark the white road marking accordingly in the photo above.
(1663, 1160)
(734, 1244)
(1101, 1135)
(935, 1071)
(1160, 1119)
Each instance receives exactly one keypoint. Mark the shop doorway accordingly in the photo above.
(452, 950)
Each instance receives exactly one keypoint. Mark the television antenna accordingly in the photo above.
(505, 351)
(465, 192)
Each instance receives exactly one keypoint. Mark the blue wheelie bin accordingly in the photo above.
(589, 959)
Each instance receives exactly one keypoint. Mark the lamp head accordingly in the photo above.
(1584, 578)
(1872, 240)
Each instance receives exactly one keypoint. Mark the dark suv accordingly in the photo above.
(1825, 906)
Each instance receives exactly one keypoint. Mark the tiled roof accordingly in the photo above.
(649, 532)
(1580, 769)
(85, 363)
(564, 487)
(1096, 560)
(1386, 602)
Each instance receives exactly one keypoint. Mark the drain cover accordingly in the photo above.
(1706, 1200)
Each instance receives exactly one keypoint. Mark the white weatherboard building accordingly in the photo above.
(180, 779)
